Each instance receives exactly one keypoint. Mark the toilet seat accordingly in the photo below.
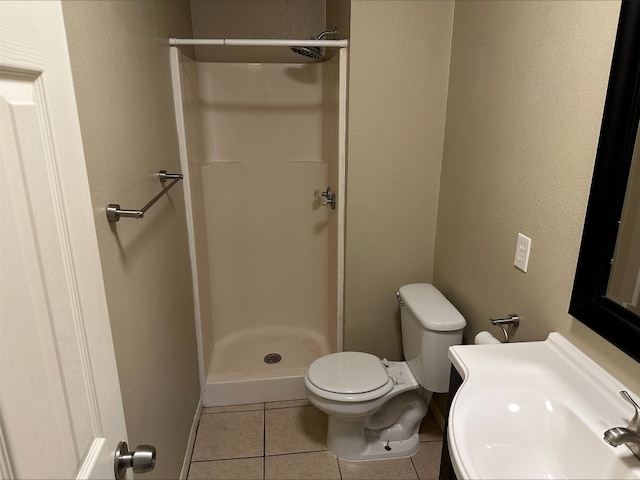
(349, 377)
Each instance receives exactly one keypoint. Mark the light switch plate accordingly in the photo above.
(523, 246)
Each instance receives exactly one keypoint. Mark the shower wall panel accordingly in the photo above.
(265, 151)
(185, 78)
(330, 148)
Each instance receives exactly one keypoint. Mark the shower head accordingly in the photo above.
(314, 53)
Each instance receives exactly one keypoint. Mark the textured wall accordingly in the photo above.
(526, 93)
(120, 62)
(338, 14)
(399, 62)
(255, 19)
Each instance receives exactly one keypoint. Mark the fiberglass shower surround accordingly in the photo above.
(257, 139)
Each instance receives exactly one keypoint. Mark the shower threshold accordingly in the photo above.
(261, 365)
(235, 389)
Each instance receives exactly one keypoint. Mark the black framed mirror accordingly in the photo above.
(589, 302)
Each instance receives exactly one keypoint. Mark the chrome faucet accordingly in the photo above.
(630, 436)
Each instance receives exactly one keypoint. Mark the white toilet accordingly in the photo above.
(375, 406)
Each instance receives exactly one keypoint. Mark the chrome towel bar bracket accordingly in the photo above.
(114, 212)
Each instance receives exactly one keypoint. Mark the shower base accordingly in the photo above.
(239, 373)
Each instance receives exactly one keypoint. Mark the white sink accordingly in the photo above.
(536, 410)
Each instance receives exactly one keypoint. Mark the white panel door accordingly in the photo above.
(61, 410)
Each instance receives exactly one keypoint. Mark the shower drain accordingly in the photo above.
(272, 358)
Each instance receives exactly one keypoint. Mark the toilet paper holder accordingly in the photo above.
(511, 321)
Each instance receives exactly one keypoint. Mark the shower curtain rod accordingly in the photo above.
(258, 42)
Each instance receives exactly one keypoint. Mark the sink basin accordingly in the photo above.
(536, 410)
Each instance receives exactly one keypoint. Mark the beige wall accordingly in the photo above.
(526, 93)
(338, 14)
(120, 63)
(255, 19)
(265, 19)
(399, 61)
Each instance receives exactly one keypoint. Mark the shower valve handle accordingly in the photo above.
(326, 198)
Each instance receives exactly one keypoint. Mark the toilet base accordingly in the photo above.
(400, 421)
(350, 441)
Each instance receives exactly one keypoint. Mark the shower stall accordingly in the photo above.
(262, 148)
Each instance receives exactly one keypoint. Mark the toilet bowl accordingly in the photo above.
(375, 406)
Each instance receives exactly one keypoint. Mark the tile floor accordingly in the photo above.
(286, 440)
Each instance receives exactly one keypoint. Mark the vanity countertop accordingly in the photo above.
(536, 410)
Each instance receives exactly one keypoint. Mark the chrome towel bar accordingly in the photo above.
(114, 212)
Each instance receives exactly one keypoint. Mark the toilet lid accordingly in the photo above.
(348, 373)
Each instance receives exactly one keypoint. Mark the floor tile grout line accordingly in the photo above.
(264, 409)
(289, 406)
(225, 459)
(295, 453)
(264, 443)
(415, 469)
(194, 444)
(234, 411)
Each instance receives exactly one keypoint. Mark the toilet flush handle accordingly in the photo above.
(399, 298)
(326, 198)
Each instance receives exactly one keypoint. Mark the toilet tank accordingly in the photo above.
(430, 325)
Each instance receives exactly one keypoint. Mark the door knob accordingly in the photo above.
(142, 459)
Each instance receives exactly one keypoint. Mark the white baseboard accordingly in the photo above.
(192, 439)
